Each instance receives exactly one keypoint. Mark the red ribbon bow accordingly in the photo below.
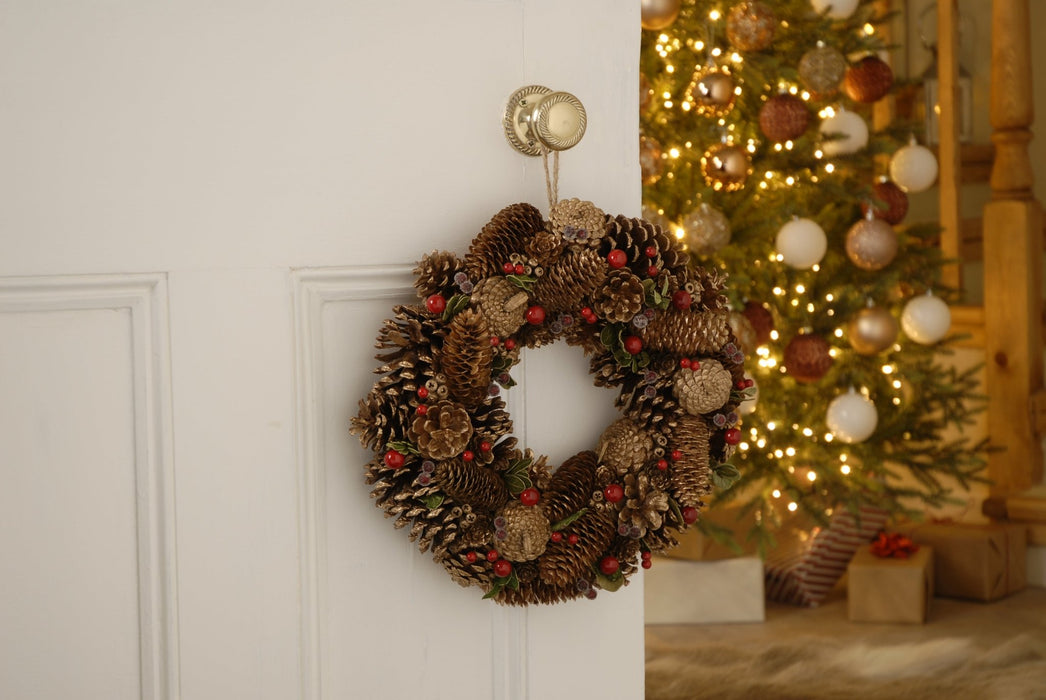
(894, 545)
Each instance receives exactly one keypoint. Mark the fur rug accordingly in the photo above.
(810, 669)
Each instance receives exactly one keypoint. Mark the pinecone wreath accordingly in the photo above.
(496, 516)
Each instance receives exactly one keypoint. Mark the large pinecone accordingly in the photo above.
(577, 274)
(707, 289)
(502, 303)
(570, 487)
(685, 333)
(544, 248)
(644, 507)
(435, 273)
(635, 236)
(467, 482)
(467, 358)
(564, 563)
(524, 533)
(624, 446)
(503, 235)
(620, 298)
(703, 389)
(443, 432)
(578, 222)
(691, 474)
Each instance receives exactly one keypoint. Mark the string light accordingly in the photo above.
(793, 506)
(776, 493)
(811, 476)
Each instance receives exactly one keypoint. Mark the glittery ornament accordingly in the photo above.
(872, 330)
(761, 319)
(871, 244)
(822, 69)
(868, 80)
(807, 357)
(706, 230)
(750, 26)
(726, 167)
(650, 163)
(783, 117)
(711, 91)
(656, 15)
(893, 203)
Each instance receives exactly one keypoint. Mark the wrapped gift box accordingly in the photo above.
(678, 592)
(696, 546)
(888, 589)
(977, 562)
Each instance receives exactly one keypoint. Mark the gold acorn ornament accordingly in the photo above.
(821, 69)
(750, 26)
(521, 531)
(726, 167)
(502, 304)
(871, 244)
(650, 162)
(872, 330)
(711, 91)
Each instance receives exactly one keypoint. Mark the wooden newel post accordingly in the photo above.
(1013, 258)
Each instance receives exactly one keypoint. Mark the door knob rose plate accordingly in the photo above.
(537, 117)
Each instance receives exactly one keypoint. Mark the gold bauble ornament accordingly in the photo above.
(726, 167)
(711, 91)
(872, 330)
(650, 163)
(871, 244)
(706, 230)
(822, 69)
(750, 26)
(658, 14)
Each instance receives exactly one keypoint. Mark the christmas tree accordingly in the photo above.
(759, 149)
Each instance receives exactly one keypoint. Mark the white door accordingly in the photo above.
(207, 208)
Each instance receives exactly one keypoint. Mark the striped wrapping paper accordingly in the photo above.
(804, 575)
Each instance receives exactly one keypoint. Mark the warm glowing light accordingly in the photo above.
(816, 268)
(845, 469)
(776, 493)
(829, 297)
(896, 383)
(810, 308)
(778, 291)
(808, 432)
(888, 369)
(714, 15)
(811, 476)
(896, 401)
(795, 302)
(838, 332)
(793, 506)
(666, 94)
(670, 68)
(828, 167)
(686, 106)
(774, 335)
(668, 104)
(800, 289)
(790, 452)
(828, 437)
(832, 352)
(761, 443)
(790, 180)
(699, 45)
(673, 152)
(868, 28)
(779, 454)
(743, 446)
(717, 52)
(771, 425)
(818, 154)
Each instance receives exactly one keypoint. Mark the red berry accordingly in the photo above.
(682, 300)
(662, 464)
(652, 271)
(485, 446)
(690, 515)
(617, 258)
(394, 459)
(423, 393)
(508, 268)
(749, 383)
(676, 455)
(492, 555)
(468, 455)
(646, 554)
(732, 436)
(535, 315)
(519, 269)
(695, 365)
(609, 565)
(556, 536)
(685, 363)
(471, 556)
(572, 538)
(613, 492)
(423, 409)
(530, 497)
(510, 344)
(436, 303)
(646, 563)
(650, 251)
(502, 568)
(740, 384)
(587, 311)
(633, 345)
(495, 341)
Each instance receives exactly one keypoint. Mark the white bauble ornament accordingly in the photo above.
(837, 9)
(913, 167)
(926, 319)
(852, 129)
(747, 407)
(801, 243)
(851, 417)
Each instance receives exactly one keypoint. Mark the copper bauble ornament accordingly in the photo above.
(646, 93)
(711, 92)
(871, 244)
(650, 162)
(872, 330)
(822, 69)
(783, 117)
(761, 319)
(892, 206)
(750, 26)
(726, 167)
(868, 80)
(706, 230)
(807, 357)
(658, 14)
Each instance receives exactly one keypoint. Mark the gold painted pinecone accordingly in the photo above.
(624, 446)
(686, 333)
(574, 277)
(502, 303)
(634, 236)
(620, 298)
(644, 505)
(544, 248)
(524, 534)
(443, 431)
(503, 235)
(707, 286)
(467, 358)
(564, 563)
(703, 389)
(467, 482)
(435, 273)
(570, 486)
(578, 222)
(691, 474)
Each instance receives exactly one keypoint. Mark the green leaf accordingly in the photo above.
(565, 522)
(455, 305)
(517, 478)
(676, 510)
(524, 282)
(495, 589)
(513, 581)
(433, 500)
(608, 336)
(610, 583)
(725, 475)
(403, 447)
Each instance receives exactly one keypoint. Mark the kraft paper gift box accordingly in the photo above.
(696, 546)
(977, 562)
(889, 589)
(679, 592)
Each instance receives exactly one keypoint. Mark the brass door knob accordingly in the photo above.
(537, 117)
